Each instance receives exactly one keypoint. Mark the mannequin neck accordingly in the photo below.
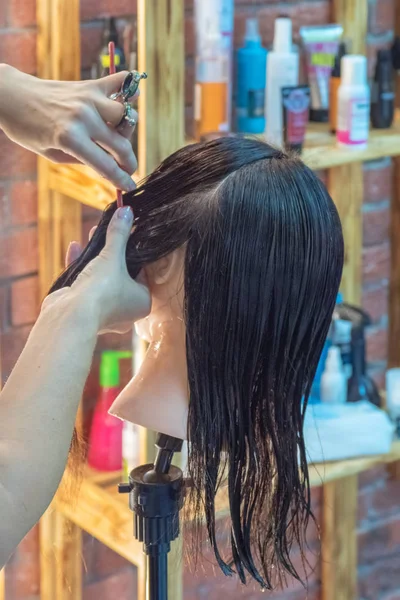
(157, 397)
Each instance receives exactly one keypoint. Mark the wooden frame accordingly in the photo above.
(62, 190)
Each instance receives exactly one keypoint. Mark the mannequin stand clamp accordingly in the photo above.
(156, 497)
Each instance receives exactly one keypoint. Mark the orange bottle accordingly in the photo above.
(212, 87)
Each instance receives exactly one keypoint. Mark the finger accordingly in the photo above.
(92, 232)
(112, 83)
(73, 253)
(116, 144)
(119, 230)
(111, 111)
(85, 150)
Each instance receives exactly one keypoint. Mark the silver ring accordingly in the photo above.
(128, 115)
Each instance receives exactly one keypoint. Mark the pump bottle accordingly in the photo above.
(334, 380)
(105, 445)
(282, 71)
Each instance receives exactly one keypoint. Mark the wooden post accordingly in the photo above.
(339, 547)
(161, 102)
(345, 185)
(59, 221)
(353, 15)
(2, 576)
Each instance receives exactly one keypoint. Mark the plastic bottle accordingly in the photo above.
(251, 80)
(333, 380)
(110, 34)
(212, 81)
(334, 85)
(382, 101)
(282, 71)
(353, 103)
(105, 446)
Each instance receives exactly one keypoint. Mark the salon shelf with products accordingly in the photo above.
(320, 152)
(62, 191)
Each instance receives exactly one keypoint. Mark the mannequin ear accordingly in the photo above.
(163, 270)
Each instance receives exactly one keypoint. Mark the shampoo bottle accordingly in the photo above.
(282, 71)
(353, 103)
(251, 79)
(334, 380)
(105, 445)
(334, 85)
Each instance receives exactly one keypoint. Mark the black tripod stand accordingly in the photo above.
(156, 497)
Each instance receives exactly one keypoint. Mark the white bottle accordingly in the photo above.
(334, 380)
(282, 71)
(353, 103)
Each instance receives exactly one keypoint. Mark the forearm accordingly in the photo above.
(38, 407)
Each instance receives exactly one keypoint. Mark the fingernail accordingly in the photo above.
(125, 213)
(130, 185)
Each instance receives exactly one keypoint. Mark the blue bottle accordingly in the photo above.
(251, 80)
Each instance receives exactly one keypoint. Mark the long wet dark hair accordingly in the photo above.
(264, 257)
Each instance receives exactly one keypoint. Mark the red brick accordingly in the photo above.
(18, 253)
(379, 540)
(377, 343)
(375, 300)
(23, 571)
(23, 200)
(372, 49)
(121, 585)
(13, 341)
(376, 224)
(380, 16)
(378, 180)
(107, 562)
(99, 9)
(382, 576)
(91, 38)
(377, 373)
(190, 40)
(372, 477)
(19, 50)
(189, 83)
(15, 160)
(22, 13)
(304, 13)
(24, 301)
(384, 500)
(376, 263)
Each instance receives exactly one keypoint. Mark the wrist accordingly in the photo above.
(66, 307)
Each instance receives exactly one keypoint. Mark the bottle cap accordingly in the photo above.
(336, 72)
(283, 35)
(109, 368)
(354, 69)
(252, 33)
(110, 33)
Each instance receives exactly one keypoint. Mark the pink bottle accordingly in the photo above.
(105, 447)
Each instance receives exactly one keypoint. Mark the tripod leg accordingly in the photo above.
(157, 577)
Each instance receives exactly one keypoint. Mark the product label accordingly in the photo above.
(320, 61)
(255, 103)
(353, 121)
(296, 104)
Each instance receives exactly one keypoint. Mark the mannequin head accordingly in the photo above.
(257, 242)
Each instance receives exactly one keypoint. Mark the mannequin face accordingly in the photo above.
(157, 397)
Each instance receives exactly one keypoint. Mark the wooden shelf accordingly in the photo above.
(320, 152)
(105, 514)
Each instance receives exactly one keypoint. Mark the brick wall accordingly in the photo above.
(105, 574)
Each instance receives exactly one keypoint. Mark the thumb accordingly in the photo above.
(112, 83)
(119, 230)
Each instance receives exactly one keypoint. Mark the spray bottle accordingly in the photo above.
(334, 380)
(105, 447)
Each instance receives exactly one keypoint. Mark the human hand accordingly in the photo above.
(69, 121)
(105, 287)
